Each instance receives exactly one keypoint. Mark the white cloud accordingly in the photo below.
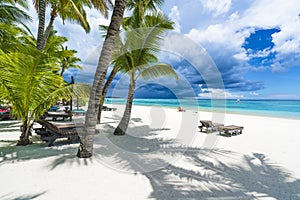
(277, 67)
(218, 7)
(230, 32)
(175, 17)
(218, 94)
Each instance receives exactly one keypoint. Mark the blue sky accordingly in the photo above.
(251, 46)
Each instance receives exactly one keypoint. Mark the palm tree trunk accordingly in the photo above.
(85, 149)
(49, 27)
(41, 28)
(62, 70)
(123, 125)
(24, 138)
(105, 90)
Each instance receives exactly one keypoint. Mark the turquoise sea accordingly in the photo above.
(271, 108)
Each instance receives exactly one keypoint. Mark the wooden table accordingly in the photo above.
(231, 129)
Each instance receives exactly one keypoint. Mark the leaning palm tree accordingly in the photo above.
(140, 9)
(140, 61)
(85, 149)
(27, 83)
(157, 20)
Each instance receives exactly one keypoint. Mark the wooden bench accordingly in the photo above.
(230, 130)
(50, 132)
(209, 126)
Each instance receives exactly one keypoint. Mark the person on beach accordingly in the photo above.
(180, 109)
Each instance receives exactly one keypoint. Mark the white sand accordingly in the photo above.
(162, 156)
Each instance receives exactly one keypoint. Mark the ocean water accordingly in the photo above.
(271, 108)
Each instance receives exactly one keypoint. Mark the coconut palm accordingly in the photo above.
(29, 78)
(25, 82)
(107, 84)
(68, 60)
(85, 149)
(154, 20)
(139, 9)
(71, 10)
(140, 61)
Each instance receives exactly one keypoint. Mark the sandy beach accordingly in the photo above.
(162, 156)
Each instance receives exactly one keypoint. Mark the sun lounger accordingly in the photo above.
(105, 108)
(56, 115)
(209, 126)
(230, 130)
(50, 132)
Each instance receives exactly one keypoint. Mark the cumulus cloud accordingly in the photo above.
(217, 7)
(217, 94)
(175, 17)
(220, 28)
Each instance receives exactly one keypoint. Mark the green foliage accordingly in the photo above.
(28, 82)
(157, 70)
(29, 78)
(9, 13)
(138, 49)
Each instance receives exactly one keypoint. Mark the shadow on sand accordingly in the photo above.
(174, 171)
(22, 197)
(177, 172)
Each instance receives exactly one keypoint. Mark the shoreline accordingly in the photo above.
(227, 111)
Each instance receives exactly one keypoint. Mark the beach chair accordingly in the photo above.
(50, 132)
(105, 108)
(209, 126)
(231, 130)
(56, 115)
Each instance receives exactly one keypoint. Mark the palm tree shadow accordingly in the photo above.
(174, 171)
(206, 173)
(223, 180)
(22, 197)
(12, 153)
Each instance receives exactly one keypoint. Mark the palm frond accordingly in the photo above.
(12, 14)
(28, 82)
(157, 70)
(74, 12)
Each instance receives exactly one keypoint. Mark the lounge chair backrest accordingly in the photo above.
(207, 124)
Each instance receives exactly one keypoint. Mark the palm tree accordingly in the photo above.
(29, 78)
(139, 9)
(154, 20)
(71, 10)
(140, 61)
(25, 82)
(68, 60)
(85, 149)
(107, 84)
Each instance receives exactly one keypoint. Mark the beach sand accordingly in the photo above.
(162, 156)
